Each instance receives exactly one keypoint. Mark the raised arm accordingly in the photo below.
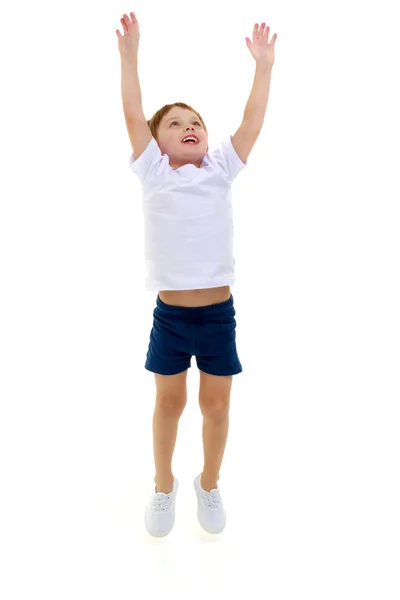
(262, 51)
(136, 123)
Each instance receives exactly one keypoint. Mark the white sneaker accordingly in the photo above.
(160, 512)
(210, 509)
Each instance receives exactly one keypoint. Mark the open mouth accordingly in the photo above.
(191, 140)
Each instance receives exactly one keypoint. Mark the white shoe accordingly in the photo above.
(160, 512)
(210, 509)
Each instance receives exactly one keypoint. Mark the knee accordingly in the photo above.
(171, 404)
(217, 410)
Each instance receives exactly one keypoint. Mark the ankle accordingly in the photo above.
(164, 484)
(208, 483)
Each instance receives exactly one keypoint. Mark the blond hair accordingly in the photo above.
(155, 120)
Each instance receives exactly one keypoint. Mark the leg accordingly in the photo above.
(214, 399)
(170, 403)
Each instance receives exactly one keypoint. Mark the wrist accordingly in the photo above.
(129, 60)
(264, 65)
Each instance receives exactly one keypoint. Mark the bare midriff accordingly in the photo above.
(196, 297)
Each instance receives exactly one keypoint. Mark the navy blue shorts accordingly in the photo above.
(179, 332)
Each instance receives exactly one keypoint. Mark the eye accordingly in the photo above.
(177, 121)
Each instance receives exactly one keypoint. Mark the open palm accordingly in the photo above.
(260, 48)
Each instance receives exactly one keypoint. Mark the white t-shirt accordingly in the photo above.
(188, 218)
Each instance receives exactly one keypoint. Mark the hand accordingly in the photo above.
(128, 44)
(260, 48)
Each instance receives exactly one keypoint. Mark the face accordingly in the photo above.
(173, 128)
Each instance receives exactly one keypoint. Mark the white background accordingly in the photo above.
(310, 477)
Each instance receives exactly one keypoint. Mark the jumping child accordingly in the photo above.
(189, 261)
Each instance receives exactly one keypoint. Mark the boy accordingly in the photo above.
(189, 261)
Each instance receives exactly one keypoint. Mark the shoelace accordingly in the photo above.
(213, 499)
(159, 502)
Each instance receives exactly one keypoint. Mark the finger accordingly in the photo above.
(127, 20)
(124, 25)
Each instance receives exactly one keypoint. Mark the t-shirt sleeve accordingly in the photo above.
(226, 156)
(148, 162)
